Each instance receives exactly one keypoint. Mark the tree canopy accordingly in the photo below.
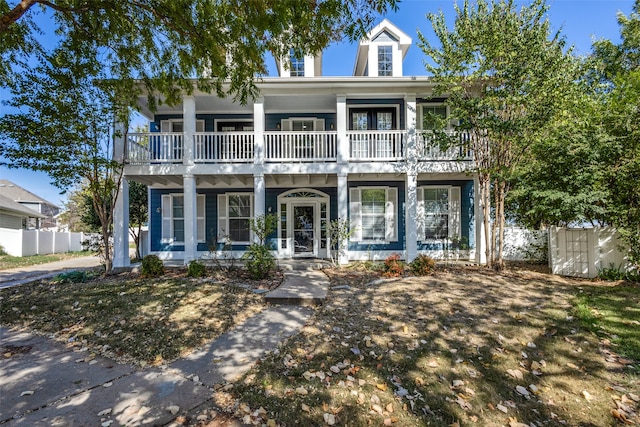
(504, 74)
(165, 44)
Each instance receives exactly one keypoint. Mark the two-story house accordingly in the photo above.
(310, 149)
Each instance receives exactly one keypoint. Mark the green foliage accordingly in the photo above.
(614, 273)
(505, 75)
(259, 261)
(422, 265)
(75, 276)
(196, 269)
(151, 266)
(2, 251)
(393, 266)
(138, 212)
(339, 231)
(263, 226)
(163, 44)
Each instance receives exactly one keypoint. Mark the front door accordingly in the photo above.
(304, 230)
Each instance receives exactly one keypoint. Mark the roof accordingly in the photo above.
(8, 205)
(18, 194)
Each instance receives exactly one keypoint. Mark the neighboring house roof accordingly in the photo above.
(15, 208)
(18, 194)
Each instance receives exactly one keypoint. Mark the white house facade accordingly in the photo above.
(310, 149)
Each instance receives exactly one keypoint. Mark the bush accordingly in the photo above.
(196, 269)
(613, 273)
(393, 266)
(152, 266)
(422, 265)
(259, 261)
(75, 276)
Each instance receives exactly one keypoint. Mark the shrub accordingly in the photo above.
(152, 266)
(393, 266)
(75, 276)
(613, 273)
(196, 269)
(259, 261)
(422, 265)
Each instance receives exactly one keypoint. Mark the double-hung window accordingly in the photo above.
(297, 65)
(439, 213)
(385, 61)
(173, 218)
(373, 213)
(433, 117)
(235, 211)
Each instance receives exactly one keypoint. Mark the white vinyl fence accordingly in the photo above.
(38, 242)
(521, 244)
(582, 252)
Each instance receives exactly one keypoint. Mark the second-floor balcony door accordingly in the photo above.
(371, 145)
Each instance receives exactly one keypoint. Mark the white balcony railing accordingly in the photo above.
(300, 146)
(377, 145)
(456, 147)
(154, 147)
(285, 146)
(223, 147)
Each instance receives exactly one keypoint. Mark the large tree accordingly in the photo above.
(504, 74)
(167, 43)
(64, 124)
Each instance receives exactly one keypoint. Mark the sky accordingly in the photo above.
(580, 21)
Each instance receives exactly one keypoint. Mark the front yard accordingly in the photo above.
(462, 347)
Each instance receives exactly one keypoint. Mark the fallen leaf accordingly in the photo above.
(587, 395)
(330, 419)
(174, 409)
(305, 408)
(381, 386)
(513, 422)
(523, 391)
(502, 408)
(26, 393)
(515, 373)
(104, 412)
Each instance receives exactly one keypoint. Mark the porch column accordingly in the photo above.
(189, 123)
(412, 134)
(121, 226)
(258, 131)
(259, 194)
(190, 221)
(341, 127)
(411, 214)
(343, 212)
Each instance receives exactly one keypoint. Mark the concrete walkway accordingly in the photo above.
(20, 275)
(45, 383)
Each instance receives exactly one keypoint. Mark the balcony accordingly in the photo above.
(301, 147)
(291, 147)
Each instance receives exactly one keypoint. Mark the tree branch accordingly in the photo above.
(14, 14)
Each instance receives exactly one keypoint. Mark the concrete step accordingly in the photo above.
(300, 287)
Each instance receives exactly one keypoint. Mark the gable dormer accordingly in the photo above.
(294, 66)
(382, 52)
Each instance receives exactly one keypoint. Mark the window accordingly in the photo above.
(234, 216)
(173, 211)
(439, 209)
(433, 116)
(297, 65)
(373, 214)
(385, 61)
(177, 126)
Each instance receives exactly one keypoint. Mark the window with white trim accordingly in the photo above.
(297, 65)
(374, 214)
(173, 218)
(433, 115)
(177, 126)
(385, 60)
(439, 213)
(235, 212)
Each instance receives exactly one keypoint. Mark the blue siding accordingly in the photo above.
(209, 120)
(211, 218)
(467, 223)
(400, 210)
(399, 102)
(273, 120)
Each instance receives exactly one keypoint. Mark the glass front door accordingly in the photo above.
(304, 230)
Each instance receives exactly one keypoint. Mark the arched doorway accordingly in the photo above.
(302, 227)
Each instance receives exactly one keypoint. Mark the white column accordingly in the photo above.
(343, 212)
(410, 123)
(372, 59)
(189, 128)
(121, 226)
(411, 220)
(259, 195)
(341, 127)
(190, 220)
(481, 256)
(258, 131)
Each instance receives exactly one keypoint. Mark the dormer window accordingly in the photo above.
(385, 61)
(297, 65)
